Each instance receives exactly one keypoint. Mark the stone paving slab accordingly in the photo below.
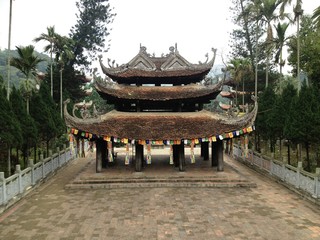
(269, 211)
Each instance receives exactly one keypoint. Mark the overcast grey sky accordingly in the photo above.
(196, 26)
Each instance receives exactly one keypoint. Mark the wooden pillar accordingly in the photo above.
(214, 154)
(139, 157)
(104, 154)
(231, 147)
(182, 159)
(205, 150)
(201, 149)
(175, 149)
(138, 107)
(220, 166)
(82, 148)
(78, 147)
(217, 155)
(112, 150)
(99, 143)
(226, 150)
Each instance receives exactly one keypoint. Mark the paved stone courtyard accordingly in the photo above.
(268, 211)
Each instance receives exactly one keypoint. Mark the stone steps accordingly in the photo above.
(159, 182)
(159, 175)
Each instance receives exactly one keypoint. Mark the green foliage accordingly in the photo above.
(280, 41)
(264, 121)
(41, 114)
(248, 40)
(53, 109)
(305, 123)
(16, 75)
(10, 133)
(29, 130)
(86, 40)
(316, 17)
(46, 115)
(309, 51)
(26, 61)
(91, 30)
(278, 115)
(99, 102)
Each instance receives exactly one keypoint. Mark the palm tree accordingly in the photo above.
(280, 41)
(267, 9)
(316, 17)
(51, 37)
(9, 71)
(240, 69)
(63, 56)
(9, 47)
(298, 12)
(26, 63)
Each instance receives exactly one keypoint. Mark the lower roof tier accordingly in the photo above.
(161, 125)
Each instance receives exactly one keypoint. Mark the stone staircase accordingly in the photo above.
(159, 174)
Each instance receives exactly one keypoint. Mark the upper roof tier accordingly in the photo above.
(167, 69)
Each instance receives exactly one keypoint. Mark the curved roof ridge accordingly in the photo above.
(145, 65)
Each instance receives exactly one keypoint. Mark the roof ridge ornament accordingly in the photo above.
(211, 62)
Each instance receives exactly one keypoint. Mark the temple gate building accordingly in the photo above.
(160, 101)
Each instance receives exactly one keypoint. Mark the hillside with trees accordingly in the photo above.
(16, 75)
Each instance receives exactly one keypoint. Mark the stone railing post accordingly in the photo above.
(42, 165)
(317, 184)
(299, 168)
(51, 160)
(65, 153)
(18, 171)
(271, 167)
(4, 188)
(31, 165)
(284, 163)
(59, 160)
(258, 157)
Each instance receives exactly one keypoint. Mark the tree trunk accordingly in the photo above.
(35, 153)
(47, 146)
(243, 96)
(289, 156)
(9, 161)
(267, 69)
(258, 147)
(280, 149)
(237, 94)
(307, 145)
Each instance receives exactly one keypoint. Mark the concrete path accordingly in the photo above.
(269, 211)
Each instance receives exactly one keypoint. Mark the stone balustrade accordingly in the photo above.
(295, 177)
(15, 186)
